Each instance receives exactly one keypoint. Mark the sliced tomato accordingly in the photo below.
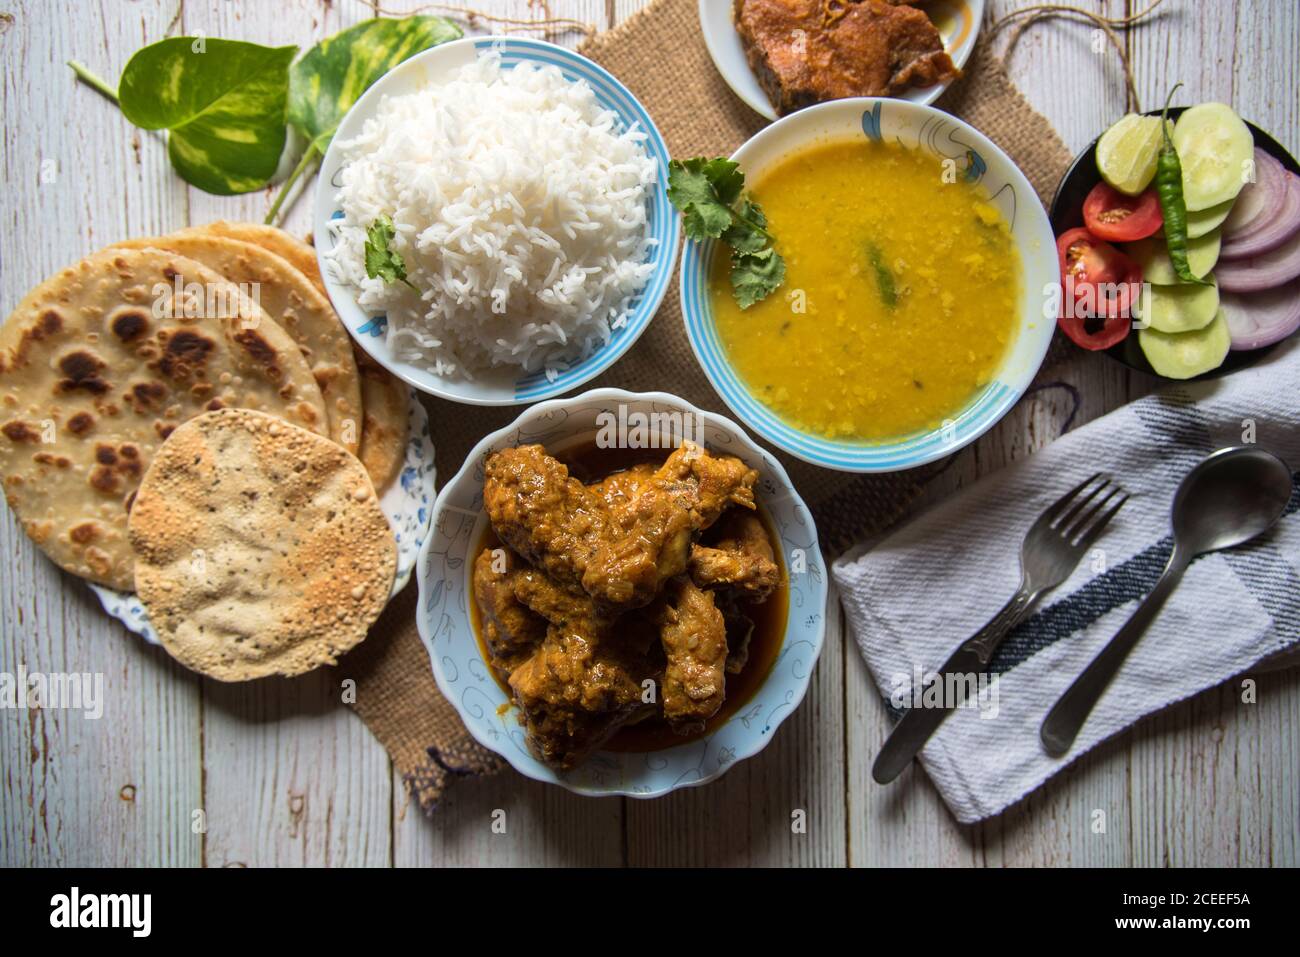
(1111, 215)
(1099, 285)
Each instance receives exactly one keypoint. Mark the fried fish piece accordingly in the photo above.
(809, 51)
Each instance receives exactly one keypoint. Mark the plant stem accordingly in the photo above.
(97, 84)
(309, 155)
(752, 225)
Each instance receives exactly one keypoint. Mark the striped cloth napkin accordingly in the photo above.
(914, 596)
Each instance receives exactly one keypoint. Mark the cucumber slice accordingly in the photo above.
(1182, 355)
(1216, 149)
(1127, 152)
(1153, 256)
(1182, 308)
(1207, 220)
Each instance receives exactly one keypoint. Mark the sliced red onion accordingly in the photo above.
(1280, 227)
(1255, 201)
(1260, 319)
(1265, 271)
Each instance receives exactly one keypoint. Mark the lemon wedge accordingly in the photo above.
(1127, 152)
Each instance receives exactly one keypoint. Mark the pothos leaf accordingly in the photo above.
(223, 103)
(334, 73)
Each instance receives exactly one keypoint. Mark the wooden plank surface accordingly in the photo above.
(283, 775)
(290, 776)
(121, 789)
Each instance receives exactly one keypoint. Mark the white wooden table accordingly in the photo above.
(284, 775)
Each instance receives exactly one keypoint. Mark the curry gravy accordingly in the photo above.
(589, 464)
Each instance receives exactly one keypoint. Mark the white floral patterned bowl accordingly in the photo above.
(466, 680)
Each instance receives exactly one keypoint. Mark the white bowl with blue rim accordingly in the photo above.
(977, 159)
(500, 386)
(465, 679)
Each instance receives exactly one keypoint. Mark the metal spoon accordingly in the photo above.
(1228, 499)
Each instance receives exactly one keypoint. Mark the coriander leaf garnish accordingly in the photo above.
(704, 191)
(755, 276)
(708, 193)
(747, 234)
(382, 262)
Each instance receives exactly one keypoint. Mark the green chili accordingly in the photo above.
(1169, 190)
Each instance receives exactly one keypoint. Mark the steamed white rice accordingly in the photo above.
(520, 212)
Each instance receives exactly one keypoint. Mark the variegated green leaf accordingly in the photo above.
(223, 103)
(325, 83)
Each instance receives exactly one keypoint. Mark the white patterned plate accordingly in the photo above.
(466, 681)
(958, 23)
(408, 504)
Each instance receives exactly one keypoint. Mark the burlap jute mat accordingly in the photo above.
(659, 54)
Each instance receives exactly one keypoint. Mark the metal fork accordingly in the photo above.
(1052, 548)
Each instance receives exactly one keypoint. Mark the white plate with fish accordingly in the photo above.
(957, 21)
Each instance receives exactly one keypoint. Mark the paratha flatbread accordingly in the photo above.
(300, 255)
(384, 432)
(261, 548)
(291, 300)
(99, 364)
(384, 397)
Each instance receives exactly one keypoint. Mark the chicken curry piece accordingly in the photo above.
(629, 600)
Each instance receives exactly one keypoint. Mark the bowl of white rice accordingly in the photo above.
(525, 188)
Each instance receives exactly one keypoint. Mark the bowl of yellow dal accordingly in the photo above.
(915, 309)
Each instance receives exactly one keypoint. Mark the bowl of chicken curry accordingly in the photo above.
(622, 594)
(914, 305)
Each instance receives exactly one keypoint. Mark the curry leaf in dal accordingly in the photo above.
(223, 103)
(884, 277)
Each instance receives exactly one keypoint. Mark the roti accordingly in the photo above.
(261, 548)
(384, 397)
(384, 432)
(292, 301)
(99, 365)
(300, 255)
